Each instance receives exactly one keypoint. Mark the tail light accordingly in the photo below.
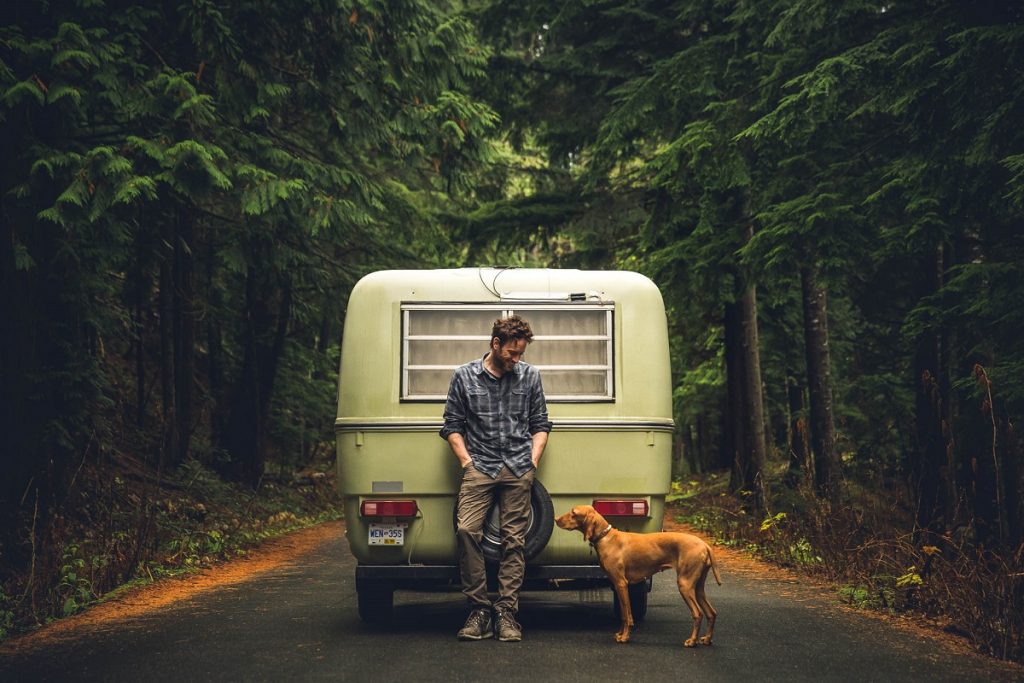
(388, 508)
(622, 508)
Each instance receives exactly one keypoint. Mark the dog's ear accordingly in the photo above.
(590, 524)
(577, 518)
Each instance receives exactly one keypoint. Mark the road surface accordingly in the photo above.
(298, 622)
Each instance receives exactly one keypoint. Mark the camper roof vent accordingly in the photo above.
(551, 296)
(536, 296)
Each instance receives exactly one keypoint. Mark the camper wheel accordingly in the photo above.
(376, 601)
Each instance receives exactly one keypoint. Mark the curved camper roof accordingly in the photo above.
(371, 383)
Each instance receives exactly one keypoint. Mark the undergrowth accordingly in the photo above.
(124, 524)
(870, 551)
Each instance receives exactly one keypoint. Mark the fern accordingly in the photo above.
(22, 91)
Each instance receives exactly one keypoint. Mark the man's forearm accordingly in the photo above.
(458, 446)
(540, 440)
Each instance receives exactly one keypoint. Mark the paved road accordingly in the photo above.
(299, 623)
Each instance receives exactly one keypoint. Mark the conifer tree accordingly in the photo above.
(196, 187)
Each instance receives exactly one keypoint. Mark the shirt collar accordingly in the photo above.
(479, 369)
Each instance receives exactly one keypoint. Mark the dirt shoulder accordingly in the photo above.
(139, 601)
(800, 587)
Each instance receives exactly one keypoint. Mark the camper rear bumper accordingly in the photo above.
(445, 577)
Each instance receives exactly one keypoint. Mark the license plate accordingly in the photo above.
(387, 534)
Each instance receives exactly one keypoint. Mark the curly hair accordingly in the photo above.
(512, 327)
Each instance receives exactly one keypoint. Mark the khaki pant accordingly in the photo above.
(477, 493)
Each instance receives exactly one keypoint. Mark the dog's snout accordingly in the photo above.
(565, 521)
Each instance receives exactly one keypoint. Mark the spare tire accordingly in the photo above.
(538, 528)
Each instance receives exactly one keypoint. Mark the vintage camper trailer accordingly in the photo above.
(601, 345)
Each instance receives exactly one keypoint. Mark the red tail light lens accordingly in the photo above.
(622, 508)
(388, 508)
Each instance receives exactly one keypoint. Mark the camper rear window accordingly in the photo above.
(572, 347)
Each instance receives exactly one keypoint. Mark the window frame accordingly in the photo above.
(506, 309)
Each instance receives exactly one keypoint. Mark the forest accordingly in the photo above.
(830, 196)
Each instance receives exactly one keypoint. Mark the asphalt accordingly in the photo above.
(299, 623)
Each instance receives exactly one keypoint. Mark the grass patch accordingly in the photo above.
(123, 526)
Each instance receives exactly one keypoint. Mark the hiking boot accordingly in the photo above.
(507, 627)
(478, 625)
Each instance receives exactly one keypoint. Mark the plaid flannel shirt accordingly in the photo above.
(497, 417)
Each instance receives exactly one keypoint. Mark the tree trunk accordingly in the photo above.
(929, 469)
(1012, 479)
(16, 356)
(680, 466)
(799, 451)
(215, 344)
(819, 382)
(263, 343)
(992, 511)
(753, 480)
(184, 333)
(140, 364)
(734, 431)
(934, 470)
(716, 455)
(138, 294)
(689, 448)
(744, 425)
(167, 371)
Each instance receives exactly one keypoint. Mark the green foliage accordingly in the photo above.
(860, 140)
(910, 579)
(7, 615)
(217, 177)
(859, 596)
(191, 190)
(881, 594)
(198, 548)
(75, 588)
(802, 553)
(772, 521)
(335, 137)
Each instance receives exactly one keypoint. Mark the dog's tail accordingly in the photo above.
(711, 562)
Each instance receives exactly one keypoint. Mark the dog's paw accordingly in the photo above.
(621, 638)
(705, 640)
(689, 642)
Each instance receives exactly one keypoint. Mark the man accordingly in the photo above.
(496, 422)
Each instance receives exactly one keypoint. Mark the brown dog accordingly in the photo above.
(630, 558)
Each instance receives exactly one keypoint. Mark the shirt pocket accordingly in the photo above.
(519, 405)
(479, 401)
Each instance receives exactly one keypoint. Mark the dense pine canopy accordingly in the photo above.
(829, 195)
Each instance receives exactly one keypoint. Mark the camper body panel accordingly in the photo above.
(408, 464)
(600, 334)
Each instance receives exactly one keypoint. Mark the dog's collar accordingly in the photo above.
(598, 537)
